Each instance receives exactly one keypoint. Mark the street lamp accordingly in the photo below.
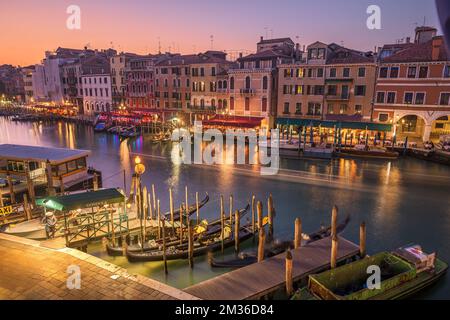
(139, 169)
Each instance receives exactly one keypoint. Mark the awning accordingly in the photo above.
(82, 200)
(234, 121)
(373, 126)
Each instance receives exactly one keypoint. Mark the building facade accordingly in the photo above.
(413, 88)
(118, 76)
(139, 75)
(96, 85)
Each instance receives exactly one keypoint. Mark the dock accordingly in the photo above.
(260, 279)
(34, 270)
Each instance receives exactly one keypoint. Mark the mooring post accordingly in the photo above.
(26, 207)
(191, 247)
(159, 220)
(334, 251)
(124, 247)
(222, 223)
(150, 206)
(334, 217)
(95, 181)
(187, 203)
(261, 242)
(289, 279)
(1, 198)
(198, 207)
(253, 215)
(172, 221)
(259, 211)
(11, 189)
(113, 233)
(164, 246)
(236, 230)
(270, 215)
(181, 223)
(298, 233)
(154, 198)
(362, 240)
(231, 210)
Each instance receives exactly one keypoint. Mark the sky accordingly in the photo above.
(29, 28)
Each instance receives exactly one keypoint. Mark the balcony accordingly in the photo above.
(247, 92)
(338, 97)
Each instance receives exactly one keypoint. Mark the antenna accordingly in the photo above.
(424, 21)
(271, 33)
(212, 41)
(267, 35)
(159, 45)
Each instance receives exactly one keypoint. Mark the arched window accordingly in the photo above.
(247, 83)
(265, 83)
(195, 103)
(202, 103)
(225, 104)
(225, 84)
(220, 104)
(231, 103)
(213, 103)
(219, 85)
(232, 83)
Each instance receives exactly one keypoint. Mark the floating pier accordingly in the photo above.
(268, 276)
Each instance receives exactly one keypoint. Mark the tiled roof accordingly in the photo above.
(267, 41)
(278, 52)
(341, 55)
(181, 60)
(418, 53)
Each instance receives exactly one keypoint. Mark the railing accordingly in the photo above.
(341, 97)
(247, 91)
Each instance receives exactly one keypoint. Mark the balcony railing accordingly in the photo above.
(338, 97)
(247, 91)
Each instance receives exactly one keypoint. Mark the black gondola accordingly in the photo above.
(200, 248)
(247, 258)
(213, 228)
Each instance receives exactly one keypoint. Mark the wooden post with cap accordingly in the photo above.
(236, 230)
(362, 240)
(172, 221)
(334, 217)
(222, 223)
(334, 251)
(190, 247)
(289, 278)
(164, 245)
(261, 243)
(259, 211)
(298, 233)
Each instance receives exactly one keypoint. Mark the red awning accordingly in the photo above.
(233, 121)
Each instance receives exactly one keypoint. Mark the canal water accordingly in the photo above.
(402, 202)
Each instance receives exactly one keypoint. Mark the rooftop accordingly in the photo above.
(34, 153)
(419, 52)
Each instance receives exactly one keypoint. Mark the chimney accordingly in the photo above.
(425, 34)
(262, 38)
(437, 44)
(240, 55)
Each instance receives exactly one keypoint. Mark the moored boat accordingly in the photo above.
(403, 273)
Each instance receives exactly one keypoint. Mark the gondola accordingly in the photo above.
(247, 258)
(200, 247)
(212, 229)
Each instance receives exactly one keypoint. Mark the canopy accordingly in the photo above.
(82, 200)
(234, 121)
(373, 126)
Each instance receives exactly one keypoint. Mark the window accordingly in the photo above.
(286, 108)
(320, 73)
(247, 83)
(265, 83)
(247, 104)
(383, 72)
(314, 109)
(380, 97)
(346, 72)
(383, 117)
(420, 98)
(232, 103)
(446, 71)
(343, 108)
(321, 53)
(360, 91)
(300, 73)
(330, 108)
(423, 72)
(445, 99)
(298, 108)
(394, 72)
(358, 108)
(362, 72)
(412, 72)
(333, 73)
(409, 96)
(391, 97)
(213, 71)
(232, 83)
(264, 105)
(298, 89)
(202, 72)
(332, 90)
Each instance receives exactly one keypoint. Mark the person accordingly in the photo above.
(50, 224)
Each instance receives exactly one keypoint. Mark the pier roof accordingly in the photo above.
(35, 153)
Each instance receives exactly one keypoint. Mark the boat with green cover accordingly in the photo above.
(403, 273)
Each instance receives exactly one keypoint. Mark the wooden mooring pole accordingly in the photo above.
(198, 207)
(187, 203)
(154, 198)
(261, 243)
(253, 215)
(298, 233)
(181, 224)
(259, 212)
(231, 210)
(222, 223)
(172, 221)
(362, 240)
(334, 251)
(159, 219)
(334, 217)
(150, 205)
(164, 244)
(191, 247)
(11, 189)
(236, 230)
(289, 279)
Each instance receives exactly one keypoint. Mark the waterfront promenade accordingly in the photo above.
(29, 270)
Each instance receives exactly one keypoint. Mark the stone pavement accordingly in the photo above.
(29, 271)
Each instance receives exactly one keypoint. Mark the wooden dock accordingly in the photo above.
(260, 279)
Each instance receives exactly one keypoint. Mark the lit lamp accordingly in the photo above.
(139, 169)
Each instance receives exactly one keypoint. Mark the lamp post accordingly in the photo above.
(139, 169)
